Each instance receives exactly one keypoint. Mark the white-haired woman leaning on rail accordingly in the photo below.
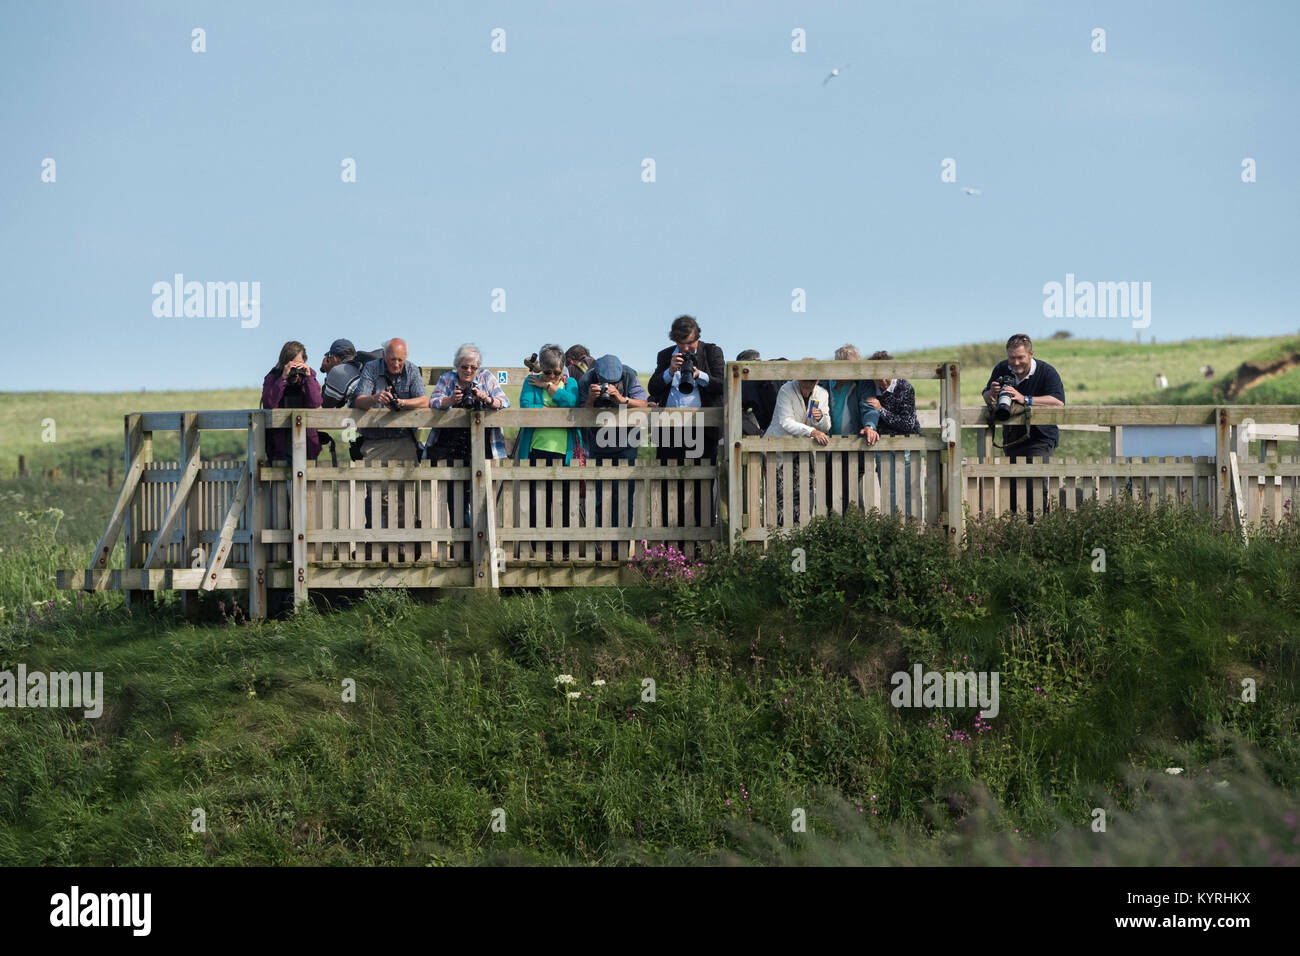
(466, 385)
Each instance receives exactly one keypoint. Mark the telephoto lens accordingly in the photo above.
(687, 383)
(1003, 411)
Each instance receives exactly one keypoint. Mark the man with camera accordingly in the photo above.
(690, 374)
(611, 384)
(1023, 381)
(396, 384)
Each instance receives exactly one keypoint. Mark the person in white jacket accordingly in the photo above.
(803, 410)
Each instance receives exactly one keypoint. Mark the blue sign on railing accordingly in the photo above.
(503, 378)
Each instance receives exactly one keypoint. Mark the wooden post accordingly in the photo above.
(954, 490)
(138, 443)
(110, 476)
(1116, 452)
(256, 511)
(480, 546)
(191, 519)
(22, 466)
(298, 506)
(121, 511)
(733, 429)
(1222, 448)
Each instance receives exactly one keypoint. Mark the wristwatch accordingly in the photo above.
(1029, 399)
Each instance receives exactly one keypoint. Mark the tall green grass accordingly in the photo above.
(771, 694)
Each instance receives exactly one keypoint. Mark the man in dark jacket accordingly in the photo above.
(700, 367)
(703, 387)
(757, 397)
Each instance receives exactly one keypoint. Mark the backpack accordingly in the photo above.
(341, 382)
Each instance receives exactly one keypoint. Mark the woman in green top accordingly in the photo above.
(552, 388)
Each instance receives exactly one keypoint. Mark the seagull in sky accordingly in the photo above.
(972, 192)
(834, 73)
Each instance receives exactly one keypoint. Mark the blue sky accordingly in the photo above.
(522, 171)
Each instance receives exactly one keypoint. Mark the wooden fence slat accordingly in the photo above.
(178, 503)
(221, 550)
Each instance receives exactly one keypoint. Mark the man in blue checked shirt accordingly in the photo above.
(393, 383)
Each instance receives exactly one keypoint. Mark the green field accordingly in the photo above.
(772, 691)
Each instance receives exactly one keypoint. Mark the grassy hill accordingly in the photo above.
(772, 695)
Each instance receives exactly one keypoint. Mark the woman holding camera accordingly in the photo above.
(291, 384)
(466, 385)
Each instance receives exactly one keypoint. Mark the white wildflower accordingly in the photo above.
(564, 679)
(598, 683)
(574, 695)
(1174, 770)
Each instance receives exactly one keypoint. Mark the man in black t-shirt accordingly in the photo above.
(1037, 384)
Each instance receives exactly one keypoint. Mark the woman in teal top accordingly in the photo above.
(553, 388)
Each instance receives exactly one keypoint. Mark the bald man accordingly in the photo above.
(391, 382)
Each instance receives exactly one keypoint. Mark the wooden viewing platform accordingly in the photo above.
(256, 525)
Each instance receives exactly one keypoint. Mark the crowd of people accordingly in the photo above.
(689, 373)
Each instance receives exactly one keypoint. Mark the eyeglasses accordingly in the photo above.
(469, 368)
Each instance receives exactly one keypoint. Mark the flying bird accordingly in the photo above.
(835, 72)
(972, 192)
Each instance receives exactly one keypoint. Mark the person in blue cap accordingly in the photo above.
(342, 366)
(611, 384)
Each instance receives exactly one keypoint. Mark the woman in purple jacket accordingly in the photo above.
(291, 384)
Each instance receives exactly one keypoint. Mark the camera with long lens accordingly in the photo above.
(1003, 411)
(687, 384)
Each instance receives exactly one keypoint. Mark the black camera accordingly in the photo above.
(1003, 411)
(468, 399)
(297, 375)
(395, 404)
(687, 384)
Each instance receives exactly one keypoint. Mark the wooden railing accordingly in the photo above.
(195, 524)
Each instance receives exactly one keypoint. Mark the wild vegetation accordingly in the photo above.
(771, 692)
(771, 695)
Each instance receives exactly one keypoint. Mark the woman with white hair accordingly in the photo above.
(466, 385)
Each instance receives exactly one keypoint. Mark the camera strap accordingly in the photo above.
(993, 430)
